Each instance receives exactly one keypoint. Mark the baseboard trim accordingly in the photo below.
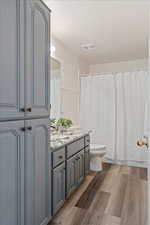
(142, 164)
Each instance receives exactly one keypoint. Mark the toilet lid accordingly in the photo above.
(97, 152)
(97, 147)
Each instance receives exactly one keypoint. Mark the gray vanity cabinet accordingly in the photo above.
(80, 167)
(75, 172)
(24, 59)
(87, 159)
(71, 175)
(37, 173)
(70, 165)
(58, 187)
(25, 189)
(37, 41)
(11, 173)
(11, 57)
(25, 167)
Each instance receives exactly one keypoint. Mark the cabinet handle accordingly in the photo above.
(22, 110)
(60, 157)
(29, 128)
(26, 128)
(29, 109)
(25, 110)
(23, 129)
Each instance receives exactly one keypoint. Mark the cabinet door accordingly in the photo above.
(58, 187)
(11, 59)
(80, 167)
(71, 175)
(37, 173)
(11, 173)
(87, 160)
(37, 44)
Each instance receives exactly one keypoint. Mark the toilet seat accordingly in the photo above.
(95, 147)
(97, 153)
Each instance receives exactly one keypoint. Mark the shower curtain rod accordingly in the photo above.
(112, 73)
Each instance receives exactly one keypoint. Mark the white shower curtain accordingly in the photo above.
(114, 107)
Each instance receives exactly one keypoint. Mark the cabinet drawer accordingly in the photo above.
(87, 140)
(75, 147)
(58, 157)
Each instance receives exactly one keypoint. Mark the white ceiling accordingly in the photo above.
(119, 30)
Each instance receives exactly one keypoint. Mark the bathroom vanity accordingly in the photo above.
(70, 165)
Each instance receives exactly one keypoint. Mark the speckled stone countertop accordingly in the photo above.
(59, 140)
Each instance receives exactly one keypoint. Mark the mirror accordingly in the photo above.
(55, 89)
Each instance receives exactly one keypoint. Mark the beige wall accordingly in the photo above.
(71, 67)
(119, 66)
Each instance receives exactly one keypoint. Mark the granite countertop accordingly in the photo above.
(59, 140)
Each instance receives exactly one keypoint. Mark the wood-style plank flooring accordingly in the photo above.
(115, 196)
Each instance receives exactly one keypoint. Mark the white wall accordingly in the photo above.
(119, 66)
(71, 67)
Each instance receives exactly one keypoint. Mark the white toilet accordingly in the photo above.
(97, 152)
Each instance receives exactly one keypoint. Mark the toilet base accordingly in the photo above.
(96, 164)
